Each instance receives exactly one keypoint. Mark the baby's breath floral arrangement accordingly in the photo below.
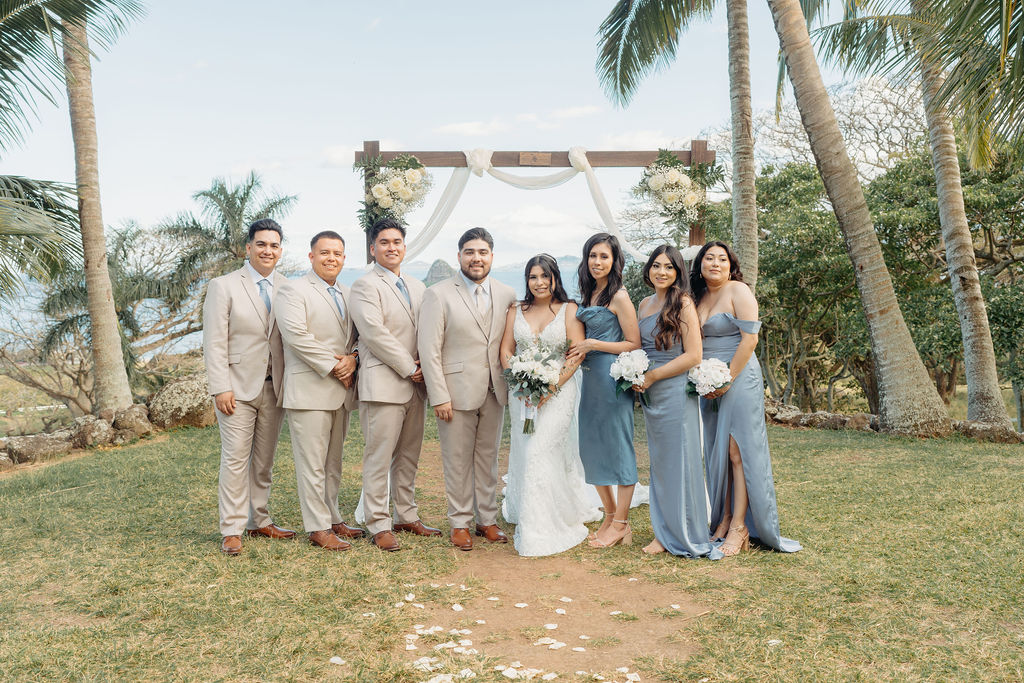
(668, 184)
(396, 188)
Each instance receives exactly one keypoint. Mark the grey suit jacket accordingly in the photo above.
(459, 348)
(387, 336)
(240, 339)
(313, 332)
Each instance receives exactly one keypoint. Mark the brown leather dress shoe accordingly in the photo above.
(385, 540)
(271, 531)
(328, 541)
(418, 528)
(461, 539)
(231, 545)
(343, 530)
(492, 532)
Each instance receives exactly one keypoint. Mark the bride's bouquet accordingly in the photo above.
(628, 369)
(532, 373)
(712, 374)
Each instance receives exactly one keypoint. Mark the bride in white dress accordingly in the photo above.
(546, 496)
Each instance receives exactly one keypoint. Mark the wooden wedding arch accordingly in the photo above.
(697, 154)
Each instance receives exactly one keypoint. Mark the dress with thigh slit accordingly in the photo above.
(740, 414)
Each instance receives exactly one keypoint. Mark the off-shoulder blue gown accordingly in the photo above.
(606, 417)
(740, 414)
(679, 514)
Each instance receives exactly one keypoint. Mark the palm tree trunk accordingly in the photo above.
(744, 196)
(984, 399)
(908, 401)
(112, 389)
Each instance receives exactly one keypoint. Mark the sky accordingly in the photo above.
(199, 90)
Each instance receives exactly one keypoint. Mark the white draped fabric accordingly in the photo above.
(479, 160)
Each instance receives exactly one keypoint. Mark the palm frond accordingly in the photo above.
(639, 37)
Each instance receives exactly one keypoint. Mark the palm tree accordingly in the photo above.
(880, 41)
(38, 231)
(640, 35)
(908, 401)
(214, 241)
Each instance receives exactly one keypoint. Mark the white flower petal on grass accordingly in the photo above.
(510, 673)
(633, 677)
(480, 621)
(410, 646)
(409, 597)
(399, 604)
(369, 614)
(418, 605)
(556, 646)
(500, 667)
(579, 649)
(464, 631)
(633, 578)
(457, 607)
(417, 627)
(520, 605)
(336, 660)
(623, 669)
(551, 627)
(560, 611)
(565, 599)
(517, 664)
(674, 606)
(773, 642)
(615, 612)
(411, 636)
(493, 599)
(435, 585)
(459, 650)
(545, 641)
(584, 637)
(465, 642)
(446, 645)
(549, 676)
(467, 673)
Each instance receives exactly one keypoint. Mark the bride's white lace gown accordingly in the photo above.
(545, 495)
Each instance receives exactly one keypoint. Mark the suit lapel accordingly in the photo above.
(321, 289)
(261, 308)
(463, 291)
(407, 305)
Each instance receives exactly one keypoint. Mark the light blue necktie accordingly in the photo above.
(337, 301)
(405, 292)
(263, 284)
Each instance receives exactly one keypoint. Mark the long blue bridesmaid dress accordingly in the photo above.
(740, 414)
(606, 417)
(679, 512)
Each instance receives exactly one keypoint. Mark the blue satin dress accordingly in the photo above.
(740, 414)
(679, 513)
(606, 417)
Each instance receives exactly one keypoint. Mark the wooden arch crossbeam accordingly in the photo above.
(697, 154)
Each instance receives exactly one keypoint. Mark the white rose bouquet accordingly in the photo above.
(712, 374)
(396, 188)
(675, 194)
(628, 369)
(532, 374)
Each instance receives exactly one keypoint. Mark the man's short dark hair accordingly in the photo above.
(476, 234)
(385, 224)
(329, 234)
(264, 224)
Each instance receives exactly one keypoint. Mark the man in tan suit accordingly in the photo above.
(319, 386)
(461, 324)
(391, 393)
(242, 352)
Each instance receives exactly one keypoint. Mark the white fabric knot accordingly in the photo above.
(478, 160)
(578, 158)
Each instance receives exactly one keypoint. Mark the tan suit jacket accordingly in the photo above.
(240, 338)
(458, 348)
(387, 336)
(313, 332)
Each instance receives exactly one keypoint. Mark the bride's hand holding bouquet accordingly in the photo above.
(532, 375)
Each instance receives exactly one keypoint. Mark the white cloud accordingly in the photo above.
(344, 155)
(640, 139)
(473, 128)
(575, 112)
(532, 229)
(258, 165)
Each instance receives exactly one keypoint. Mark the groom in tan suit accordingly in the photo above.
(242, 352)
(460, 330)
(319, 385)
(385, 307)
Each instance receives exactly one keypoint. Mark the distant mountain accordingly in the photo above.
(439, 271)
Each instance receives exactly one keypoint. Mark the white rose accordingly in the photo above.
(690, 198)
(670, 197)
(385, 202)
(685, 181)
(413, 176)
(405, 193)
(379, 191)
(656, 182)
(672, 176)
(395, 184)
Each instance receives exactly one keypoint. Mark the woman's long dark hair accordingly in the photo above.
(587, 282)
(549, 265)
(670, 320)
(698, 287)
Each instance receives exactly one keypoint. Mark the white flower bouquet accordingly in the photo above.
(673, 191)
(532, 374)
(712, 374)
(399, 190)
(628, 369)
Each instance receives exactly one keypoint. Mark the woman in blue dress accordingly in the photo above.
(606, 416)
(670, 335)
(736, 457)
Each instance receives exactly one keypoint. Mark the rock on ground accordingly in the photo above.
(184, 402)
(134, 418)
(36, 447)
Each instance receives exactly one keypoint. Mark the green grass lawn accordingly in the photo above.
(912, 570)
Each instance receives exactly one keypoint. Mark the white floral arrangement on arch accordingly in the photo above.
(668, 185)
(398, 187)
